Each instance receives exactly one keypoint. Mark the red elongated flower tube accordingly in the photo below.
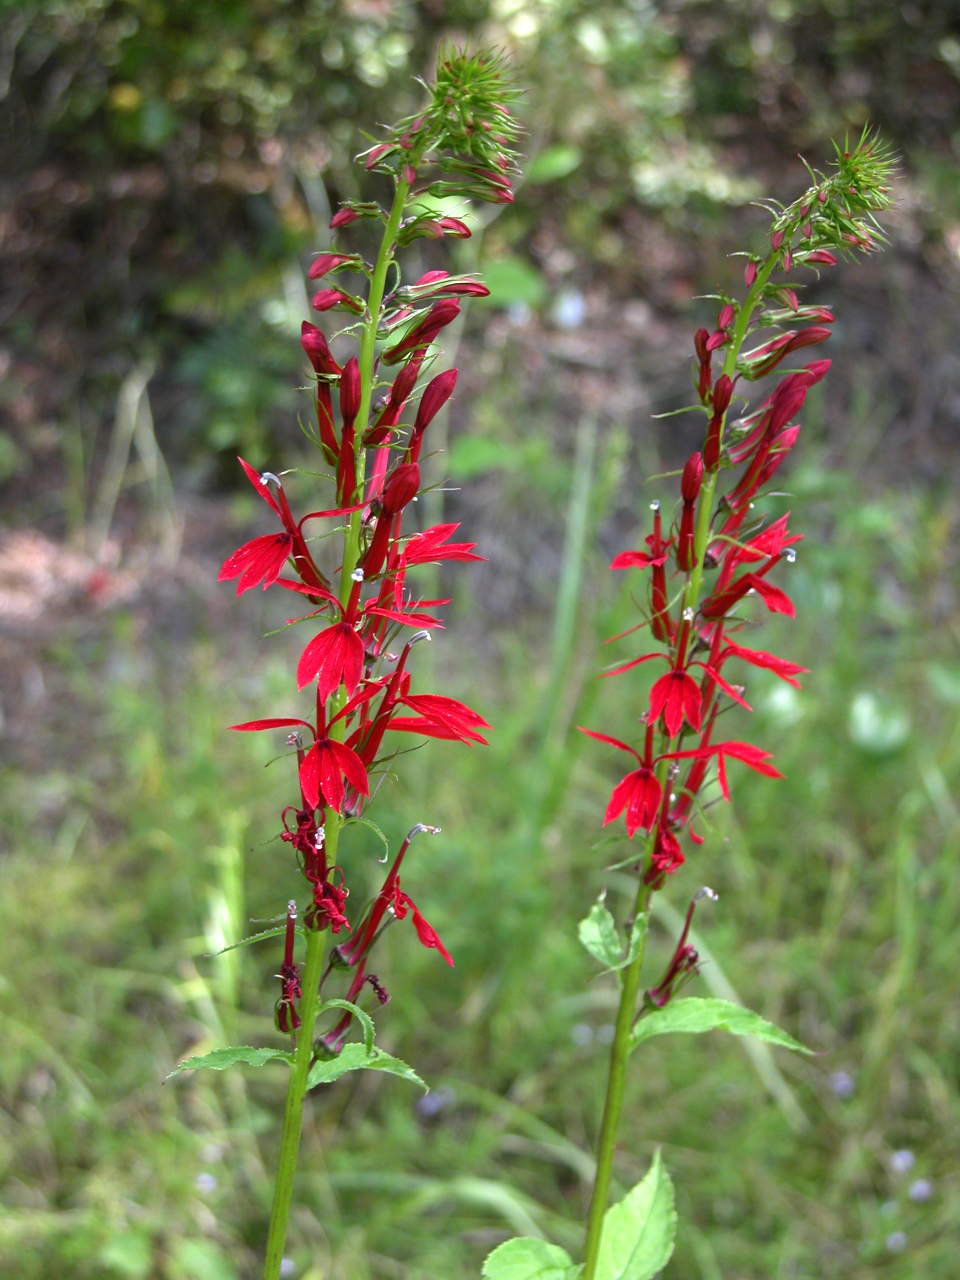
(722, 393)
(422, 334)
(400, 489)
(660, 623)
(350, 391)
(436, 394)
(761, 360)
(686, 537)
(692, 478)
(314, 343)
(330, 299)
(326, 262)
(343, 218)
(704, 357)
(448, 227)
(400, 392)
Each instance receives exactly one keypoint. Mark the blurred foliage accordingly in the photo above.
(169, 165)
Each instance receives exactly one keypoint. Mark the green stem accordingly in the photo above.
(333, 823)
(613, 1103)
(293, 1112)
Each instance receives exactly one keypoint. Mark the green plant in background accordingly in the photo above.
(717, 551)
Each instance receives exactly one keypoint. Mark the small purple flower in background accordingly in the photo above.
(902, 1161)
(921, 1190)
(896, 1241)
(843, 1084)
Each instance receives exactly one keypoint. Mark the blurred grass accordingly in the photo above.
(146, 844)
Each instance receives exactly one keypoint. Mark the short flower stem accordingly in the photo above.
(613, 1103)
(293, 1112)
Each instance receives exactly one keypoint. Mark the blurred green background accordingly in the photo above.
(167, 169)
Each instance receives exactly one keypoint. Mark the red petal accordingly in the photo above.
(351, 766)
(777, 601)
(428, 935)
(263, 489)
(332, 657)
(281, 723)
(310, 777)
(604, 737)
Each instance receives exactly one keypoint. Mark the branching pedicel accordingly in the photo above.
(357, 665)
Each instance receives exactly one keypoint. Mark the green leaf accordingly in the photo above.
(356, 1057)
(254, 937)
(697, 1014)
(526, 1258)
(553, 162)
(243, 1055)
(381, 835)
(638, 1233)
(513, 279)
(361, 1015)
(598, 935)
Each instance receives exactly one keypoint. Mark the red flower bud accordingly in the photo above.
(821, 255)
(401, 488)
(315, 345)
(350, 391)
(722, 391)
(344, 217)
(435, 396)
(325, 262)
(692, 478)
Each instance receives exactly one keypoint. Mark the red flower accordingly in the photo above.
(677, 697)
(333, 657)
(425, 931)
(323, 770)
(259, 561)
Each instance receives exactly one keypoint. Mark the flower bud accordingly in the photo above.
(315, 346)
(692, 478)
(722, 392)
(401, 488)
(350, 391)
(435, 396)
(325, 262)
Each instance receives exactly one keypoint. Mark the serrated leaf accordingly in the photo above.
(598, 935)
(697, 1014)
(356, 1057)
(526, 1258)
(243, 1055)
(638, 1233)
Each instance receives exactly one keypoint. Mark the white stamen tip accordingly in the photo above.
(357, 575)
(790, 555)
(267, 476)
(654, 506)
(688, 615)
(706, 892)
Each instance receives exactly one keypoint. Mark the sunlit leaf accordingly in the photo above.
(698, 1014)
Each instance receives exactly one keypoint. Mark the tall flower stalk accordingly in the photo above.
(709, 575)
(363, 611)
(710, 562)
